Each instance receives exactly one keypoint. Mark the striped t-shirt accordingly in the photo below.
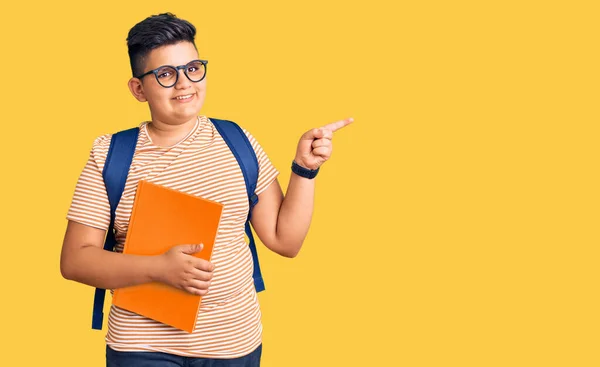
(229, 319)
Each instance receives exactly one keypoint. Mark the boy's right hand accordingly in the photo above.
(179, 269)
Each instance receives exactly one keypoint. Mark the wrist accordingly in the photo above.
(303, 171)
(155, 266)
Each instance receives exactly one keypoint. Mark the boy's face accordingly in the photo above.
(163, 102)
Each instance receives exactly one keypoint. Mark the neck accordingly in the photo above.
(166, 135)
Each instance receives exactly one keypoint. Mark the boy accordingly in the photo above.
(182, 150)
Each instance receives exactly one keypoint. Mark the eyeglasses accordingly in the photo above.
(167, 75)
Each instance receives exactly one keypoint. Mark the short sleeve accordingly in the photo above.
(267, 173)
(90, 205)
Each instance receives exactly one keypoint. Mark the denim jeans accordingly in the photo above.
(156, 359)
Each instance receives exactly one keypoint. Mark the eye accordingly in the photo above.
(191, 69)
(164, 74)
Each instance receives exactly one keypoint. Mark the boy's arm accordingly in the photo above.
(282, 222)
(84, 260)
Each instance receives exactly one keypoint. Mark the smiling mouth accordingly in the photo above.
(188, 96)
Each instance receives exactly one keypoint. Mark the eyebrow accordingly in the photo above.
(173, 64)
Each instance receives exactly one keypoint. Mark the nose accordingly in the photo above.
(182, 80)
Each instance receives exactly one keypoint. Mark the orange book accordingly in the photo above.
(163, 218)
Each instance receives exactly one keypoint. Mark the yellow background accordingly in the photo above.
(456, 223)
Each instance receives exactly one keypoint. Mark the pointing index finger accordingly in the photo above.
(339, 124)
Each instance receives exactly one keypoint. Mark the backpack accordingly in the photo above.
(116, 168)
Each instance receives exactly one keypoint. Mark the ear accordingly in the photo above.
(136, 88)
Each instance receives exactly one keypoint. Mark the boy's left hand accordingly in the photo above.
(315, 145)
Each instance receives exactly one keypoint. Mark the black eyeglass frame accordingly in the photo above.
(177, 68)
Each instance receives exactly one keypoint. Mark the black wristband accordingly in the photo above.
(304, 172)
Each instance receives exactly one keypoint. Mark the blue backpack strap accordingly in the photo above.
(116, 168)
(241, 148)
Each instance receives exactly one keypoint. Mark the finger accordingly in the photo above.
(195, 291)
(198, 284)
(327, 133)
(334, 126)
(191, 249)
(203, 265)
(312, 134)
(304, 145)
(200, 275)
(321, 143)
(323, 152)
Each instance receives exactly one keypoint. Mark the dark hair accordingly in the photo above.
(153, 32)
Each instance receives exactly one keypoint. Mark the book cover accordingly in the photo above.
(163, 218)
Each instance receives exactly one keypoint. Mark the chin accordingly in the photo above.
(188, 115)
